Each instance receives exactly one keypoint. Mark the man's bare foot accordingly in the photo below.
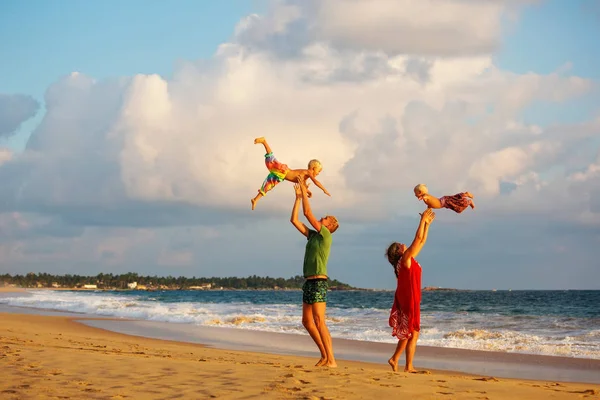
(393, 364)
(330, 364)
(321, 362)
(259, 140)
(253, 201)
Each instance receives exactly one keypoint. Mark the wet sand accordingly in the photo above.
(49, 357)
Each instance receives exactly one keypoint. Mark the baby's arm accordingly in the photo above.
(432, 201)
(318, 184)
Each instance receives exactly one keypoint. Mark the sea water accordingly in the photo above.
(558, 323)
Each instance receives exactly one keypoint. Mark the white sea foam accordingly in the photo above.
(534, 335)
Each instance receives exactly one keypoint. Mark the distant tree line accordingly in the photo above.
(111, 281)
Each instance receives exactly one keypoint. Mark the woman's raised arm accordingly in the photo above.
(420, 237)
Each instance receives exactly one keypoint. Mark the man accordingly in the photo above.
(314, 290)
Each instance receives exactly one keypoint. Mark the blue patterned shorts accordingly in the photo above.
(315, 291)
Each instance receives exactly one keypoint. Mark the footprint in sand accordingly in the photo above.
(54, 372)
(446, 393)
(487, 379)
(589, 391)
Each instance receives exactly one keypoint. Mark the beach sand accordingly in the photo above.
(50, 357)
(11, 289)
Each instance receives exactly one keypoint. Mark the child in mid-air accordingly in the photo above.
(279, 172)
(457, 203)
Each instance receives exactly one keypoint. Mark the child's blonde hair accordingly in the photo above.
(314, 163)
(420, 188)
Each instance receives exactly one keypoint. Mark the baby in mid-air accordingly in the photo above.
(279, 172)
(457, 203)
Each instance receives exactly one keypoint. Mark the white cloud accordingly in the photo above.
(426, 27)
(383, 109)
(14, 110)
(5, 155)
(188, 140)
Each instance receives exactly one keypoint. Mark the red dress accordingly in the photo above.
(405, 317)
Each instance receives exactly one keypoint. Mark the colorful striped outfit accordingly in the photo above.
(277, 173)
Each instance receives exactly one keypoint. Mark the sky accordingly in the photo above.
(127, 129)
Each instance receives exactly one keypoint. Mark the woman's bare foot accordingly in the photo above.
(321, 362)
(393, 364)
(259, 140)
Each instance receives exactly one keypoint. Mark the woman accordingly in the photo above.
(405, 317)
(314, 290)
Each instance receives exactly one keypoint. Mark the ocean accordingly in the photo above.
(555, 323)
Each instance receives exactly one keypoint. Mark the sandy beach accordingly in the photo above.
(49, 357)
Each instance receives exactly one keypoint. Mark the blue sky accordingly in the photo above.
(549, 36)
(42, 42)
(105, 39)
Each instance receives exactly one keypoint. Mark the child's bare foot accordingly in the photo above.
(393, 364)
(321, 362)
(259, 140)
(253, 201)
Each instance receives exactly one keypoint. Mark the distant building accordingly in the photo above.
(55, 285)
(90, 286)
(132, 285)
(203, 286)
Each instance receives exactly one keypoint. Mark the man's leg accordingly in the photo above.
(309, 324)
(318, 311)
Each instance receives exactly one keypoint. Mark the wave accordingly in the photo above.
(466, 330)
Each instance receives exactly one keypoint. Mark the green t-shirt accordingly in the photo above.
(317, 252)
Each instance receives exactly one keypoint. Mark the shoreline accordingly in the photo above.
(452, 360)
(455, 360)
(51, 356)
